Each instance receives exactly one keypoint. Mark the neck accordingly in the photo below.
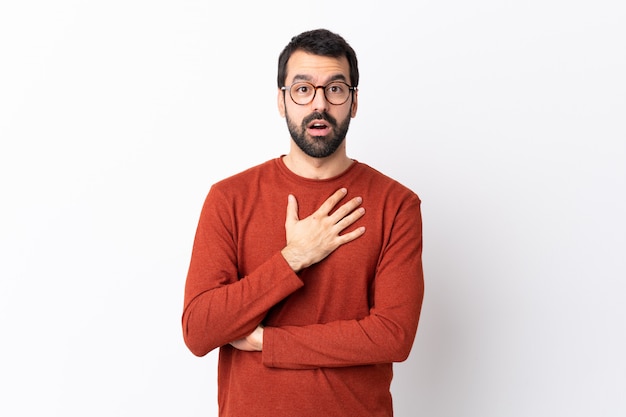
(306, 166)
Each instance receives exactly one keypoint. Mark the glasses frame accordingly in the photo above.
(286, 88)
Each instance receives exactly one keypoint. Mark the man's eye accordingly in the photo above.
(303, 89)
(335, 88)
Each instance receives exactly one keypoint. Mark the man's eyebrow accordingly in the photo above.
(305, 77)
(338, 77)
(301, 77)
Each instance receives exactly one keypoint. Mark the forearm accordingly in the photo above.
(374, 339)
(217, 316)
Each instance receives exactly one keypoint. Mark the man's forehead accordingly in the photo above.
(306, 66)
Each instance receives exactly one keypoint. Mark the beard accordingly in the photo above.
(318, 146)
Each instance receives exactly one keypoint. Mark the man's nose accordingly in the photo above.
(319, 100)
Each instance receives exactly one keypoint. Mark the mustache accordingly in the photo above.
(319, 116)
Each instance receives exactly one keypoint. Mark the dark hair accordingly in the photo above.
(319, 42)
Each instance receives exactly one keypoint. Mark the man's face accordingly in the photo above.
(318, 128)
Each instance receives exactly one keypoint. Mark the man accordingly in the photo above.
(306, 270)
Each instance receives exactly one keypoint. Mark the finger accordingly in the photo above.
(332, 201)
(350, 219)
(346, 209)
(350, 236)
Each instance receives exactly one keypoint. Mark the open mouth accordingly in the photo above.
(318, 125)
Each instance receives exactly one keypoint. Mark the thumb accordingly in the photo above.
(292, 210)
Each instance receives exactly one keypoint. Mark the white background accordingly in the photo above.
(507, 118)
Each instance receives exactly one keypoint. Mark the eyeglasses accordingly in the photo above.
(336, 92)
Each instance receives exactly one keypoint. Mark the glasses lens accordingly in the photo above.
(302, 93)
(337, 93)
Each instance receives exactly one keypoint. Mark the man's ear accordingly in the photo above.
(281, 102)
(355, 103)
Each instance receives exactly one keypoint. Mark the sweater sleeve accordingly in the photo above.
(386, 334)
(219, 306)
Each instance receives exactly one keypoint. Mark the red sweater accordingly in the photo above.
(333, 330)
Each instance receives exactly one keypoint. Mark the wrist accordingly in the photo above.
(293, 260)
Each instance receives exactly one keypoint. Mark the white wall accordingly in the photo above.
(507, 118)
